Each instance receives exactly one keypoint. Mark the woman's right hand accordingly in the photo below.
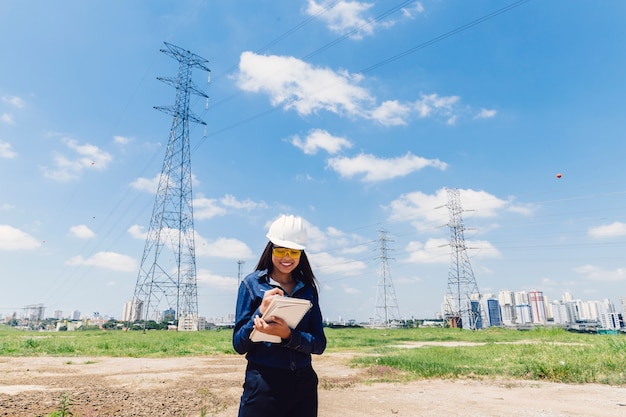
(267, 298)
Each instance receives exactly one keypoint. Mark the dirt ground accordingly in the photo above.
(124, 387)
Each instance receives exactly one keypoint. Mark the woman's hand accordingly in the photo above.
(274, 325)
(267, 298)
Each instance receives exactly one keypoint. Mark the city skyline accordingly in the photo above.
(357, 116)
(620, 307)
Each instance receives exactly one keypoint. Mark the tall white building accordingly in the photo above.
(559, 312)
(584, 310)
(537, 307)
(609, 321)
(507, 307)
(521, 297)
(132, 311)
(572, 311)
(522, 314)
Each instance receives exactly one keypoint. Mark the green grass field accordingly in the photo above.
(540, 354)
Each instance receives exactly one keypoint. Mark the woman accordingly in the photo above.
(279, 380)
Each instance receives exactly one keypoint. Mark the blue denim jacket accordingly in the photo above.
(306, 339)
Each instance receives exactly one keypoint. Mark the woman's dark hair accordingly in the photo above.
(303, 271)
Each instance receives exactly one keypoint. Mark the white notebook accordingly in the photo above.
(287, 308)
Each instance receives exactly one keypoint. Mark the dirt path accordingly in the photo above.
(124, 387)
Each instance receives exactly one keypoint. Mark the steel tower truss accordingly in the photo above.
(463, 299)
(167, 275)
(387, 311)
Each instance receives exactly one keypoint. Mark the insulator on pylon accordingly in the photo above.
(207, 103)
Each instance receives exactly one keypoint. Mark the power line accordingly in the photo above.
(443, 36)
(379, 63)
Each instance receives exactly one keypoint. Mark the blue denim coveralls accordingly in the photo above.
(280, 381)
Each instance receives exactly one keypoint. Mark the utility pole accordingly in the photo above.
(167, 275)
(387, 311)
(463, 300)
(239, 266)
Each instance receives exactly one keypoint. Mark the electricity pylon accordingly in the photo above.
(387, 311)
(167, 275)
(463, 300)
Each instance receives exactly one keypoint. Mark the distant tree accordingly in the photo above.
(152, 325)
(110, 325)
(88, 328)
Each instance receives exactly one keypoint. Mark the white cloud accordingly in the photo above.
(6, 151)
(320, 139)
(121, 140)
(615, 229)
(355, 250)
(227, 248)
(231, 201)
(391, 113)
(485, 114)
(438, 250)
(377, 169)
(222, 248)
(433, 104)
(351, 290)
(482, 249)
(106, 260)
(6, 118)
(150, 185)
(216, 281)
(15, 239)
(82, 232)
(595, 273)
(433, 251)
(331, 264)
(410, 12)
(345, 17)
(523, 209)
(137, 232)
(14, 101)
(293, 83)
(430, 208)
(349, 18)
(207, 208)
(318, 239)
(88, 157)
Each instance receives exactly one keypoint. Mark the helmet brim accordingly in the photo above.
(287, 244)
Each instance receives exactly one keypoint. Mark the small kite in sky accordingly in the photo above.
(559, 175)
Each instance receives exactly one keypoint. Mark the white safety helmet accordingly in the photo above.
(288, 232)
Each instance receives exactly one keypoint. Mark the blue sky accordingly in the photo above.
(354, 115)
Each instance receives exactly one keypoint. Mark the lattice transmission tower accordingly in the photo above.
(387, 311)
(167, 275)
(463, 300)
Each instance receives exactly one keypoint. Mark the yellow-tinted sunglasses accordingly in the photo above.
(282, 252)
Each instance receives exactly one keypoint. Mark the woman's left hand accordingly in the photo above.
(275, 326)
